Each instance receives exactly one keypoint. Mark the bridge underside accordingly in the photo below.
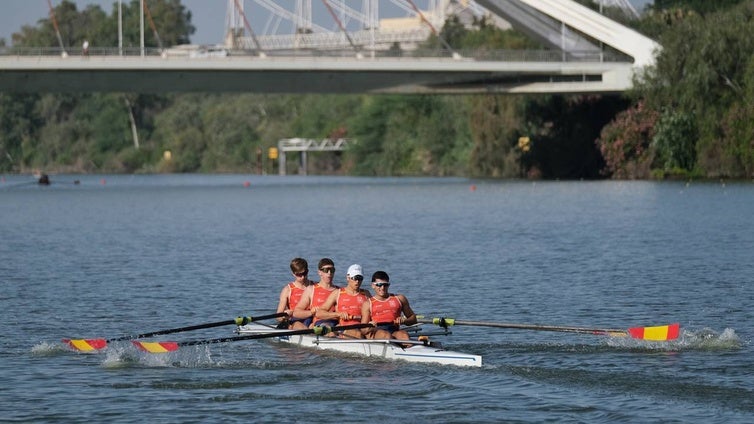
(439, 76)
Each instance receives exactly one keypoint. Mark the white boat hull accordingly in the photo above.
(386, 349)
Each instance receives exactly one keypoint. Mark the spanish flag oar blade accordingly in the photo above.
(89, 345)
(156, 347)
(658, 333)
(165, 347)
(86, 345)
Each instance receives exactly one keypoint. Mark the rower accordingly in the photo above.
(291, 294)
(348, 302)
(315, 295)
(385, 307)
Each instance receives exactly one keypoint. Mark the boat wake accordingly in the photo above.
(689, 340)
(708, 339)
(126, 356)
(49, 349)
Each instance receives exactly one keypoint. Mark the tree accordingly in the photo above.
(625, 143)
(700, 6)
(675, 141)
(171, 19)
(700, 73)
(18, 125)
(494, 123)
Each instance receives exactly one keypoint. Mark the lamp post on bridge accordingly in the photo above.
(120, 27)
(141, 26)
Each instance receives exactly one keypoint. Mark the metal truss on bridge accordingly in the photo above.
(382, 24)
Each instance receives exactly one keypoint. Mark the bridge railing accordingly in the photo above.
(221, 53)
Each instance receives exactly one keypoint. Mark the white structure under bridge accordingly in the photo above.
(305, 145)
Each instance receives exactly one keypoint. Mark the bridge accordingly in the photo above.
(576, 61)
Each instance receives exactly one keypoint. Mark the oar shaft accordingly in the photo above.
(237, 321)
(317, 330)
(445, 322)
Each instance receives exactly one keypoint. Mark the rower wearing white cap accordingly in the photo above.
(347, 302)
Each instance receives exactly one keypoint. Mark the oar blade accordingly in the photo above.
(86, 345)
(657, 333)
(156, 347)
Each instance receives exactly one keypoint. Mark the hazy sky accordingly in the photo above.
(208, 16)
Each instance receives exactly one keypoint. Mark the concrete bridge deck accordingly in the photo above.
(274, 74)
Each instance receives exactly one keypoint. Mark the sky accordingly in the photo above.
(208, 16)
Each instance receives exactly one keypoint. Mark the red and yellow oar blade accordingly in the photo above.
(156, 347)
(86, 345)
(657, 333)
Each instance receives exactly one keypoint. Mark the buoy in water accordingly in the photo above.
(472, 187)
(246, 184)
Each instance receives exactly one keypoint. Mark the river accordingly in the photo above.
(114, 255)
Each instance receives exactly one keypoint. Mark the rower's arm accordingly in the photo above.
(323, 312)
(409, 315)
(283, 303)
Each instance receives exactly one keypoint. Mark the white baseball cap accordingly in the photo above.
(354, 270)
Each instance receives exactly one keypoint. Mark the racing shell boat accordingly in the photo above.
(407, 350)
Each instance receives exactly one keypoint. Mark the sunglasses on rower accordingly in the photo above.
(302, 273)
(381, 284)
(328, 270)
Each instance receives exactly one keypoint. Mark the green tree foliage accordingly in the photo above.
(674, 142)
(702, 72)
(171, 20)
(87, 133)
(482, 36)
(494, 124)
(170, 17)
(18, 123)
(409, 135)
(699, 6)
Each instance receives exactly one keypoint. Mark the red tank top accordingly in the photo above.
(350, 304)
(294, 295)
(319, 296)
(385, 310)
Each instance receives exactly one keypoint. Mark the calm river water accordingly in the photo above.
(119, 255)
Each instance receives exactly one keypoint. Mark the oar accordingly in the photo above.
(164, 347)
(87, 345)
(656, 333)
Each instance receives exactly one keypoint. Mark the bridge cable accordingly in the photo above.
(340, 24)
(151, 24)
(432, 28)
(57, 29)
(248, 27)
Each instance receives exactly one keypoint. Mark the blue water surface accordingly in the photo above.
(115, 255)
